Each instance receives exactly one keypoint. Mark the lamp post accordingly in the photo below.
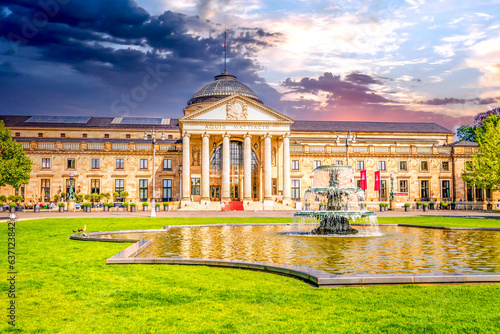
(392, 202)
(350, 137)
(153, 134)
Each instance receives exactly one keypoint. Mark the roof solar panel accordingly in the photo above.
(139, 120)
(58, 119)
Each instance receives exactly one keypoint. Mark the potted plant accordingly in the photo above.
(321, 206)
(145, 206)
(381, 205)
(1, 206)
(105, 206)
(12, 207)
(165, 206)
(157, 207)
(79, 197)
(116, 196)
(362, 206)
(125, 206)
(431, 205)
(426, 206)
(132, 207)
(56, 197)
(87, 207)
(419, 205)
(63, 196)
(123, 195)
(407, 207)
(444, 205)
(307, 206)
(36, 208)
(61, 206)
(453, 205)
(3, 198)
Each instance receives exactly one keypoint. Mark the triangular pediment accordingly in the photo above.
(236, 108)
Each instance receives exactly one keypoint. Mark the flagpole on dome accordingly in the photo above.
(225, 50)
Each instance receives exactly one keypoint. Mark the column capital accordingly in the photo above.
(185, 134)
(286, 135)
(226, 135)
(248, 135)
(206, 135)
(268, 135)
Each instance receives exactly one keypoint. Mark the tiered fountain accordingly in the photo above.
(334, 201)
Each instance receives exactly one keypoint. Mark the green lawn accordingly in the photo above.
(442, 221)
(64, 286)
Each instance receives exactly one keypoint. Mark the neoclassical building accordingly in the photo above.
(230, 147)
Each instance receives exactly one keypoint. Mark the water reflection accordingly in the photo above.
(398, 250)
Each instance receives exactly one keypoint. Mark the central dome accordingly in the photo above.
(223, 86)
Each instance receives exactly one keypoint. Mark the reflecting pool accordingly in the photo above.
(396, 250)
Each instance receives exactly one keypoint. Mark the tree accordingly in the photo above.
(466, 132)
(15, 166)
(485, 169)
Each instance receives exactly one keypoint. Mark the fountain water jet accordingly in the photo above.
(335, 201)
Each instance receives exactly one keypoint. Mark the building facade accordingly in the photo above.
(229, 146)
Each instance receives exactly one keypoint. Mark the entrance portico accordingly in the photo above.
(238, 138)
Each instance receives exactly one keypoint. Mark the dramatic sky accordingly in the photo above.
(414, 60)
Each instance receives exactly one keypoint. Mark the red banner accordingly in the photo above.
(362, 180)
(377, 180)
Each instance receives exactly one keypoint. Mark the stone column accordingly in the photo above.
(286, 169)
(247, 169)
(205, 169)
(225, 167)
(268, 199)
(186, 170)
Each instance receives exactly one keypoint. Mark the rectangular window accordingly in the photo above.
(445, 189)
(63, 135)
(445, 166)
(424, 190)
(381, 165)
(45, 163)
(295, 164)
(470, 193)
(403, 166)
(360, 165)
(120, 164)
(167, 190)
(339, 162)
(403, 186)
(71, 164)
(143, 164)
(170, 137)
(167, 164)
(296, 190)
(275, 186)
(106, 135)
(119, 186)
(45, 189)
(96, 164)
(358, 183)
(143, 190)
(84, 135)
(488, 194)
(479, 194)
(195, 186)
(317, 163)
(95, 186)
(18, 134)
(383, 190)
(424, 166)
(127, 136)
(40, 134)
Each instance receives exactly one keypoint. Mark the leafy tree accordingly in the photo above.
(466, 132)
(485, 169)
(15, 166)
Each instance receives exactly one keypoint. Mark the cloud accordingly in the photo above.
(452, 100)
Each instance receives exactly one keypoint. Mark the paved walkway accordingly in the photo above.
(161, 214)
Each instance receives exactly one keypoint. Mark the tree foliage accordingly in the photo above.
(485, 169)
(466, 132)
(15, 166)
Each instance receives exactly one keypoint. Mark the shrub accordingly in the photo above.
(87, 204)
(157, 204)
(63, 195)
(132, 204)
(444, 205)
(12, 205)
(56, 197)
(61, 205)
(124, 194)
(307, 204)
(382, 205)
(2, 204)
(116, 194)
(425, 204)
(145, 204)
(419, 203)
(432, 203)
(166, 203)
(362, 205)
(87, 197)
(3, 198)
(125, 204)
(12, 198)
(79, 197)
(407, 204)
(453, 203)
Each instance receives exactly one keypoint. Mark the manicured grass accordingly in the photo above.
(64, 286)
(442, 221)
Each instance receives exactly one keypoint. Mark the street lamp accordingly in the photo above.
(350, 137)
(153, 134)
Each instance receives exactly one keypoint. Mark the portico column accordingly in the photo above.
(286, 169)
(225, 167)
(205, 169)
(268, 200)
(186, 169)
(247, 168)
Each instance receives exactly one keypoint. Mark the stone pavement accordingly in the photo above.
(113, 214)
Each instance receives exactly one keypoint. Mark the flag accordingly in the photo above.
(362, 180)
(377, 180)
